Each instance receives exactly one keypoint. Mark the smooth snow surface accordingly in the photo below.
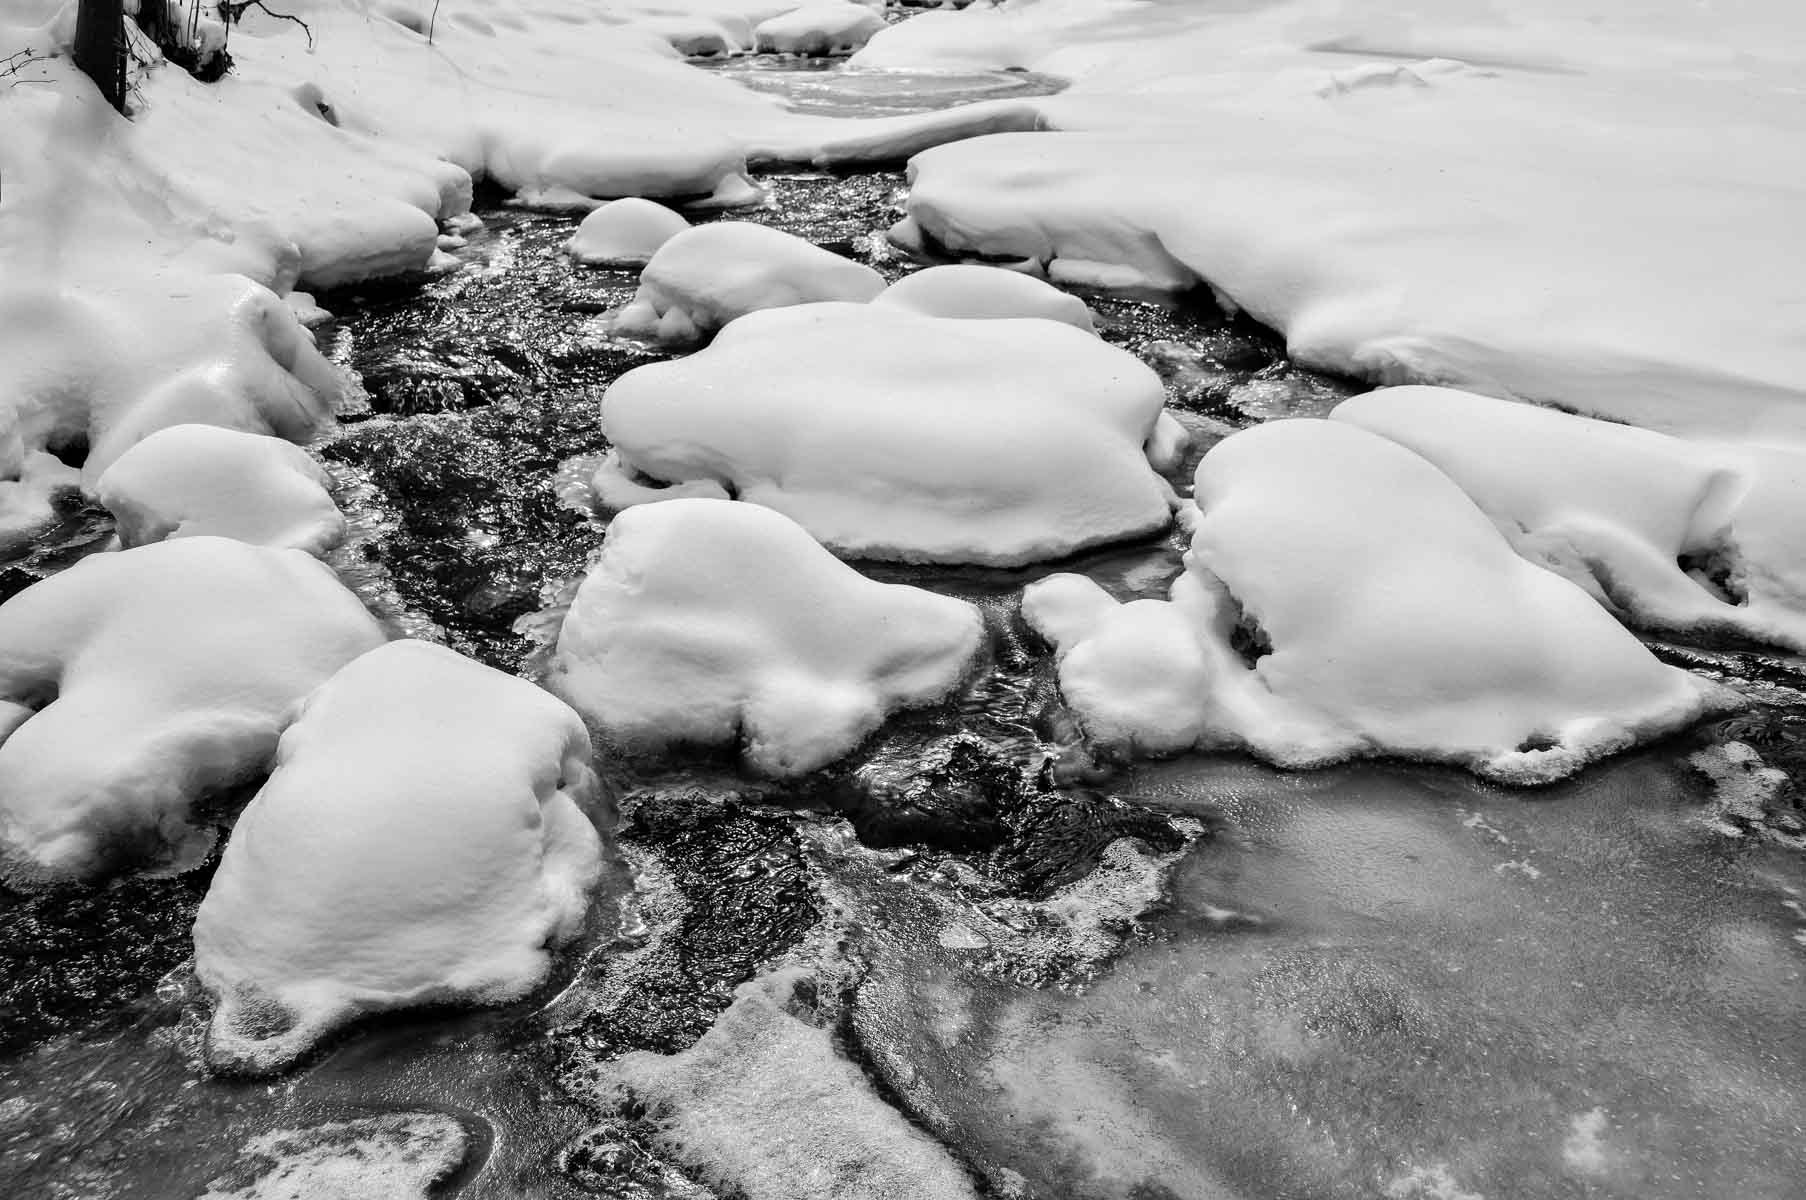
(625, 232)
(705, 277)
(134, 684)
(964, 290)
(710, 622)
(1342, 597)
(888, 434)
(1680, 535)
(817, 28)
(421, 841)
(202, 480)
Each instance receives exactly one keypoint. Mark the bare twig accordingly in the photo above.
(431, 22)
(234, 11)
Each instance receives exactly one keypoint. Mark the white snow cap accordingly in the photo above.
(968, 290)
(134, 684)
(709, 622)
(421, 841)
(888, 434)
(818, 28)
(201, 480)
(1341, 597)
(708, 275)
(1679, 535)
(625, 232)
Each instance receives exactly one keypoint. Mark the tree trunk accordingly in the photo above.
(100, 47)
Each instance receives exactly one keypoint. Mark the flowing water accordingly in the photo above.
(1189, 979)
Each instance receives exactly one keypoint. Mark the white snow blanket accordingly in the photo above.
(706, 276)
(968, 290)
(818, 28)
(626, 232)
(707, 622)
(134, 684)
(202, 480)
(421, 841)
(888, 434)
(1680, 536)
(1342, 597)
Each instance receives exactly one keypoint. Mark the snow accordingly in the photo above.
(965, 290)
(422, 840)
(132, 685)
(817, 28)
(708, 275)
(394, 1156)
(889, 434)
(1342, 597)
(707, 622)
(1683, 536)
(624, 232)
(202, 480)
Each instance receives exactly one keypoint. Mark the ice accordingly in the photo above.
(422, 840)
(395, 1156)
(888, 434)
(202, 480)
(819, 27)
(132, 685)
(708, 622)
(1342, 597)
(964, 290)
(704, 277)
(624, 233)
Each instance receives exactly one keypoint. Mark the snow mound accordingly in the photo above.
(888, 434)
(395, 1156)
(709, 622)
(1679, 535)
(134, 684)
(420, 841)
(709, 275)
(624, 232)
(201, 480)
(818, 28)
(1342, 597)
(966, 290)
(765, 1107)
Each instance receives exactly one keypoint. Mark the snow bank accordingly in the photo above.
(888, 434)
(1342, 597)
(818, 28)
(709, 622)
(1681, 536)
(706, 276)
(134, 684)
(765, 1107)
(964, 290)
(201, 480)
(624, 233)
(421, 841)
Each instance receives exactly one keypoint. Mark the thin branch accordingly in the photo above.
(235, 11)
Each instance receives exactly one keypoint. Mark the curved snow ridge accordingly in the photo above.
(1341, 598)
(892, 435)
(422, 840)
(1680, 536)
(706, 622)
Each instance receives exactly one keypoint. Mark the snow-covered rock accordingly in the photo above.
(707, 622)
(708, 275)
(626, 232)
(1342, 597)
(967, 290)
(1681, 536)
(819, 28)
(202, 480)
(134, 684)
(421, 841)
(888, 434)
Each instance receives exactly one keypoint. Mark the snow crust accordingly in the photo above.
(626, 232)
(965, 290)
(706, 276)
(712, 623)
(422, 840)
(889, 434)
(134, 684)
(818, 28)
(1342, 597)
(202, 480)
